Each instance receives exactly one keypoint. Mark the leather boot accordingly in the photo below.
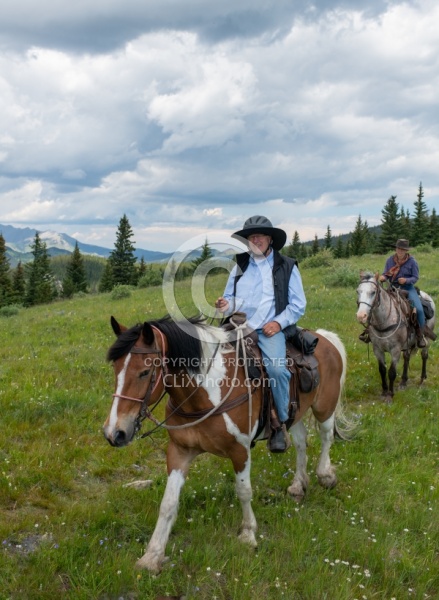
(364, 336)
(280, 440)
(421, 343)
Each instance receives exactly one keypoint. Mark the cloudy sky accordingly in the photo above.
(191, 116)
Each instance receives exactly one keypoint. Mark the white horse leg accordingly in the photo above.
(154, 556)
(301, 480)
(325, 471)
(244, 493)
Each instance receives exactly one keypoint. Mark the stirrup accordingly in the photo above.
(420, 341)
(364, 337)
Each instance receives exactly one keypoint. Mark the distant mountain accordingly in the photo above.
(18, 245)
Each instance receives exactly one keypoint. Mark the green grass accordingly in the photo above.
(69, 529)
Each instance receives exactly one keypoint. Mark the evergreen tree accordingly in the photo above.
(328, 239)
(294, 250)
(406, 225)
(75, 279)
(391, 228)
(106, 283)
(303, 252)
(40, 286)
(315, 248)
(420, 227)
(206, 254)
(18, 284)
(434, 229)
(142, 268)
(339, 250)
(5, 275)
(360, 238)
(122, 257)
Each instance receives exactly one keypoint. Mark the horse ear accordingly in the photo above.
(362, 274)
(377, 276)
(147, 334)
(117, 327)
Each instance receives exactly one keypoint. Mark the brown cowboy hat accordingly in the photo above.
(259, 224)
(402, 244)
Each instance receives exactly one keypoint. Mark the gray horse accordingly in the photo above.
(389, 319)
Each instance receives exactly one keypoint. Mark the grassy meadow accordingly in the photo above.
(70, 530)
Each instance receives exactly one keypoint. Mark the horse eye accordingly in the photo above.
(144, 374)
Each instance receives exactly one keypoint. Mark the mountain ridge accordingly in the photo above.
(18, 245)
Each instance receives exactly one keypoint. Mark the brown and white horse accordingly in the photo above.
(213, 408)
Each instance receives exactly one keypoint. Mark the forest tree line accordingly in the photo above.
(44, 279)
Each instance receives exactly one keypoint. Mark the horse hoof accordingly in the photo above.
(297, 493)
(151, 563)
(247, 537)
(328, 481)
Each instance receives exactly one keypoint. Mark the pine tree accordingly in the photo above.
(391, 227)
(315, 248)
(18, 284)
(142, 268)
(122, 257)
(406, 224)
(360, 238)
(5, 275)
(206, 254)
(75, 280)
(339, 250)
(106, 282)
(420, 227)
(434, 229)
(40, 286)
(328, 239)
(294, 250)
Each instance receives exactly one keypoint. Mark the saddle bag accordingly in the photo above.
(428, 309)
(305, 368)
(304, 340)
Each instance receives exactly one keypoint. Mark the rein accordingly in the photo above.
(145, 412)
(224, 405)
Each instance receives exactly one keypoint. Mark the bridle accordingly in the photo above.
(201, 416)
(153, 384)
(376, 302)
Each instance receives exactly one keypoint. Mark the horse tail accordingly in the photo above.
(344, 426)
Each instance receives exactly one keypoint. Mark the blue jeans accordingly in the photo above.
(274, 352)
(415, 301)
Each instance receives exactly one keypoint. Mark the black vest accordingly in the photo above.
(282, 268)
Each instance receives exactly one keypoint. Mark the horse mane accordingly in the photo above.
(187, 341)
(124, 342)
(366, 275)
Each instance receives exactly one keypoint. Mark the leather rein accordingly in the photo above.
(146, 413)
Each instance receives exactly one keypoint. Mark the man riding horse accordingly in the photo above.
(267, 286)
(402, 272)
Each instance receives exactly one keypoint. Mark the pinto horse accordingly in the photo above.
(387, 316)
(212, 407)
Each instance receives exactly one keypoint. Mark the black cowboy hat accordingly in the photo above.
(402, 244)
(259, 224)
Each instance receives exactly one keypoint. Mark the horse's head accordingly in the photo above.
(137, 356)
(367, 295)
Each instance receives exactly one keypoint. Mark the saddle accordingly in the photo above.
(301, 363)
